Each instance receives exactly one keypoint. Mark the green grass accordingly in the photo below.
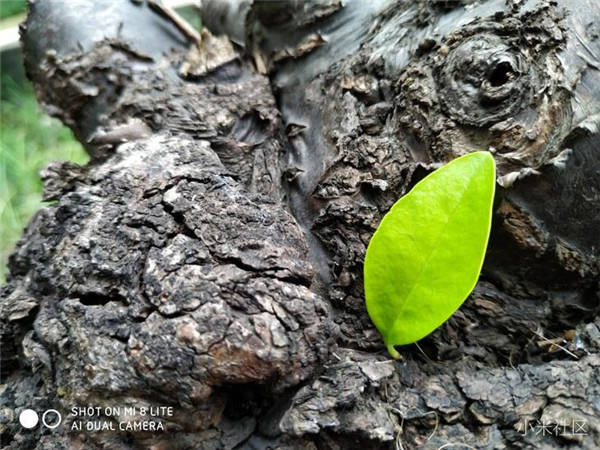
(10, 8)
(29, 139)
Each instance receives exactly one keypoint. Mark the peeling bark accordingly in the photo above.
(210, 256)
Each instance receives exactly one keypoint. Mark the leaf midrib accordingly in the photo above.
(433, 248)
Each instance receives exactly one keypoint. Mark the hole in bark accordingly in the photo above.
(503, 73)
(417, 175)
(251, 129)
(93, 299)
(243, 402)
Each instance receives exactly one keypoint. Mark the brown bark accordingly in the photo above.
(210, 256)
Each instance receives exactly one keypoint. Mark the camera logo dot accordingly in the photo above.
(28, 418)
(51, 418)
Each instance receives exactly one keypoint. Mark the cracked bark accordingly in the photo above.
(210, 255)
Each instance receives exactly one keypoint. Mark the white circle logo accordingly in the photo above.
(51, 425)
(29, 418)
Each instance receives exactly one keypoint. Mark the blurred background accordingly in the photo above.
(29, 138)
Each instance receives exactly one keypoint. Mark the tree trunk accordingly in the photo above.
(209, 257)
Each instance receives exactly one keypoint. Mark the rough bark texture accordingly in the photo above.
(210, 256)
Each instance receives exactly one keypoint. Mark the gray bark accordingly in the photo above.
(209, 257)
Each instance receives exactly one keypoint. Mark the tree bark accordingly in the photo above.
(209, 257)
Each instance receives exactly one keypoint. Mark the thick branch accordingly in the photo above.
(214, 261)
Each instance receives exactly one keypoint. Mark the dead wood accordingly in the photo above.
(210, 256)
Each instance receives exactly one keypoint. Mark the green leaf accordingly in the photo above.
(424, 259)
